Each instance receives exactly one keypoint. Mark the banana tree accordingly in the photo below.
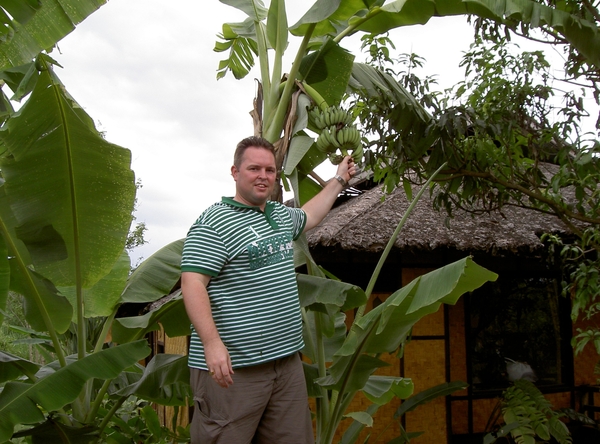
(322, 68)
(66, 202)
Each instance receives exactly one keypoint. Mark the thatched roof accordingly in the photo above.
(366, 222)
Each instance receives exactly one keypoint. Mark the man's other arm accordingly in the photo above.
(197, 305)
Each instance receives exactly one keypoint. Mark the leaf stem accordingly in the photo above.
(97, 402)
(361, 310)
(110, 414)
(274, 126)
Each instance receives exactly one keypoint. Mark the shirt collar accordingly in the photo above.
(269, 206)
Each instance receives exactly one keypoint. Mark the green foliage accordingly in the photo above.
(529, 416)
(504, 145)
(38, 26)
(137, 421)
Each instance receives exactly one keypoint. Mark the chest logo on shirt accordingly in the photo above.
(270, 250)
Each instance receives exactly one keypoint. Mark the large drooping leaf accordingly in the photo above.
(171, 315)
(376, 83)
(156, 276)
(331, 337)
(101, 299)
(428, 395)
(166, 380)
(255, 9)
(299, 146)
(54, 432)
(581, 34)
(382, 389)
(330, 15)
(22, 403)
(319, 14)
(21, 11)
(328, 71)
(318, 293)
(13, 367)
(44, 307)
(71, 191)
(39, 26)
(385, 327)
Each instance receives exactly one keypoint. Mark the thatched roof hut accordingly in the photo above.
(365, 223)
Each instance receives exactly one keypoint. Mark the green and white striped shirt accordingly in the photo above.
(253, 291)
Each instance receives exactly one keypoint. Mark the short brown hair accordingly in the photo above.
(253, 141)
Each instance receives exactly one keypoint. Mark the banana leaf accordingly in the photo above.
(328, 71)
(156, 276)
(581, 34)
(299, 147)
(332, 336)
(277, 26)
(13, 367)
(166, 381)
(54, 432)
(327, 15)
(428, 395)
(240, 40)
(255, 9)
(328, 295)
(101, 299)
(39, 25)
(382, 389)
(385, 327)
(71, 191)
(22, 403)
(171, 315)
(42, 301)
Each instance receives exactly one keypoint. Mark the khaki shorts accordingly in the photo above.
(266, 404)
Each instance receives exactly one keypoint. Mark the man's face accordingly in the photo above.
(255, 178)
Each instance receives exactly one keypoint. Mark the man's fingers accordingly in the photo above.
(222, 378)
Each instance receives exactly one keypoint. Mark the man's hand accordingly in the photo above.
(318, 207)
(219, 362)
(197, 305)
(347, 168)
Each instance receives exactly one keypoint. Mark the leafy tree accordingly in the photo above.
(506, 142)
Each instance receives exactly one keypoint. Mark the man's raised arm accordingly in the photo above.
(318, 207)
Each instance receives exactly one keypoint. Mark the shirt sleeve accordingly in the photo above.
(298, 221)
(203, 251)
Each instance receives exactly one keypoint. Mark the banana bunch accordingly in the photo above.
(337, 133)
(333, 115)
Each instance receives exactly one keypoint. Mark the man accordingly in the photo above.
(240, 292)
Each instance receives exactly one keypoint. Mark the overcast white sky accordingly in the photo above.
(145, 71)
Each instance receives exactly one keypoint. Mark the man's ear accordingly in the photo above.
(234, 172)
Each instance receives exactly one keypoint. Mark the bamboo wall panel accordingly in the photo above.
(424, 363)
